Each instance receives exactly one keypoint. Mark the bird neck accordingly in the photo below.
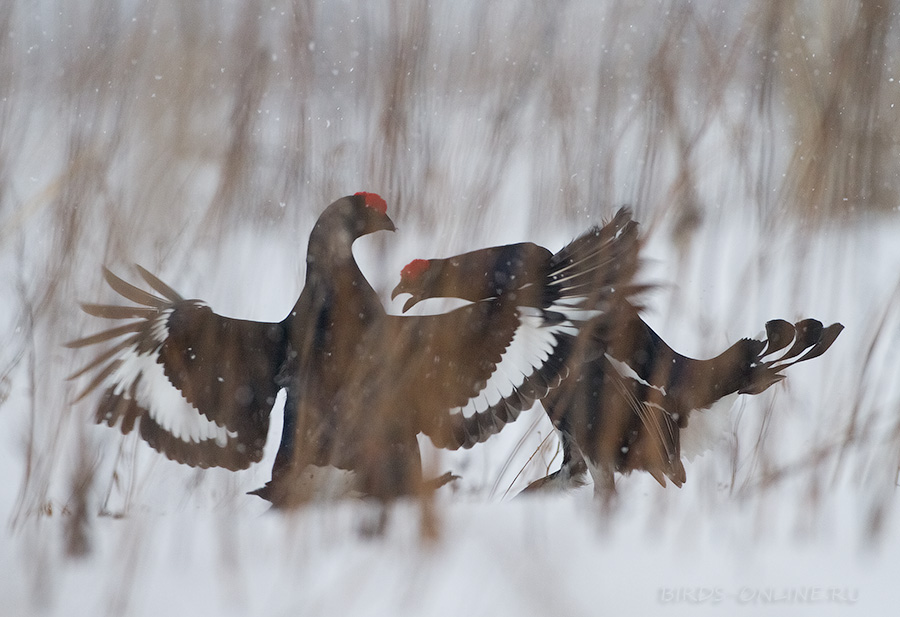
(330, 243)
(335, 268)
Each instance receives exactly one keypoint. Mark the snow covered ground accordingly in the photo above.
(203, 144)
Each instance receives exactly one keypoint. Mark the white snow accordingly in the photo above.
(481, 124)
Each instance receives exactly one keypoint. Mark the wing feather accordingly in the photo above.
(198, 386)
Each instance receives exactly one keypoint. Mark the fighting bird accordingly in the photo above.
(360, 383)
(626, 396)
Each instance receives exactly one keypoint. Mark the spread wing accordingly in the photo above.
(481, 365)
(473, 370)
(198, 387)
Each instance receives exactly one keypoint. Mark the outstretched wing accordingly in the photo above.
(598, 267)
(489, 361)
(199, 387)
(473, 370)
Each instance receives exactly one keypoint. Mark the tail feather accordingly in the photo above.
(824, 340)
(779, 334)
(807, 338)
(806, 334)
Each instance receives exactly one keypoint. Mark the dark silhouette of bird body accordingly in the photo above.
(361, 384)
(627, 395)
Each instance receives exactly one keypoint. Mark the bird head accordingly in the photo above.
(370, 213)
(412, 281)
(342, 223)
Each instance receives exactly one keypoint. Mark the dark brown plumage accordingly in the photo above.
(627, 394)
(360, 383)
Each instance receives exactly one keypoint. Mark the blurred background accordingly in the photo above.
(758, 143)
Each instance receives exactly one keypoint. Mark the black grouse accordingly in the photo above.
(360, 383)
(627, 395)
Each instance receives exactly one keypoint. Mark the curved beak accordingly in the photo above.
(411, 302)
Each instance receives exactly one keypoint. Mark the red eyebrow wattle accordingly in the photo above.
(374, 201)
(414, 269)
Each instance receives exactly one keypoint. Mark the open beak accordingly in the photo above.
(409, 303)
